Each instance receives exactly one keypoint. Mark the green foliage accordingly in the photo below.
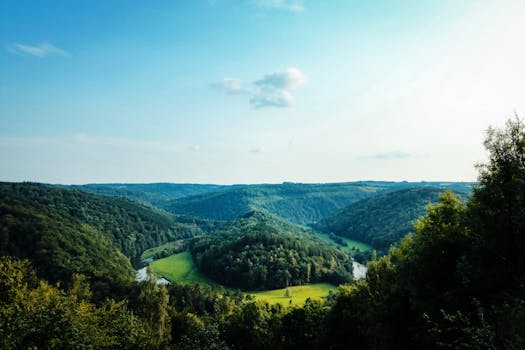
(298, 203)
(34, 314)
(58, 245)
(258, 251)
(163, 250)
(155, 193)
(131, 226)
(384, 219)
(459, 281)
(180, 268)
(295, 202)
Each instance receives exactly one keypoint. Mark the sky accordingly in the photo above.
(255, 91)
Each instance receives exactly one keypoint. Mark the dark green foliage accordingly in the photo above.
(384, 219)
(459, 281)
(58, 245)
(258, 251)
(298, 203)
(295, 202)
(133, 227)
(36, 315)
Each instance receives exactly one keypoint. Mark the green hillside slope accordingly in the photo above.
(298, 203)
(154, 193)
(57, 244)
(384, 219)
(295, 202)
(133, 227)
(259, 251)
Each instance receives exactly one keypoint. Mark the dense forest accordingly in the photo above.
(298, 203)
(132, 226)
(384, 219)
(457, 283)
(258, 251)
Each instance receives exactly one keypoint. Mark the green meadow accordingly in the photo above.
(180, 268)
(299, 294)
(357, 244)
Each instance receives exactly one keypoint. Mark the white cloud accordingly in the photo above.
(272, 90)
(44, 49)
(289, 5)
(275, 89)
(290, 79)
(264, 97)
(194, 148)
(232, 86)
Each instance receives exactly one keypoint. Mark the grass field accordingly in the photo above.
(350, 243)
(173, 247)
(299, 294)
(357, 244)
(180, 268)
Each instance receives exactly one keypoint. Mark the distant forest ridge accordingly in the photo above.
(164, 191)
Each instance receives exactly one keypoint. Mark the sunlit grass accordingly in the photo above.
(179, 268)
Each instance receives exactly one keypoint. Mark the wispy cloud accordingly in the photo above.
(387, 155)
(41, 50)
(275, 89)
(289, 5)
(272, 90)
(232, 86)
(257, 149)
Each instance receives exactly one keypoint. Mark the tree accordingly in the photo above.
(288, 292)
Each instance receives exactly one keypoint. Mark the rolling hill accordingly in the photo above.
(57, 244)
(298, 203)
(259, 251)
(132, 226)
(154, 193)
(384, 219)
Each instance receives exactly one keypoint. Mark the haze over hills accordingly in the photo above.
(154, 193)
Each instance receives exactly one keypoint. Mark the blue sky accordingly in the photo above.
(253, 91)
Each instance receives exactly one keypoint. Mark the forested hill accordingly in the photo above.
(295, 202)
(298, 203)
(259, 251)
(57, 244)
(384, 219)
(155, 193)
(133, 227)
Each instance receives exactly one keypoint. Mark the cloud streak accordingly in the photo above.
(387, 156)
(41, 50)
(288, 5)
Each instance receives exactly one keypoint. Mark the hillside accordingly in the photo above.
(133, 227)
(384, 219)
(298, 203)
(259, 251)
(155, 193)
(57, 244)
